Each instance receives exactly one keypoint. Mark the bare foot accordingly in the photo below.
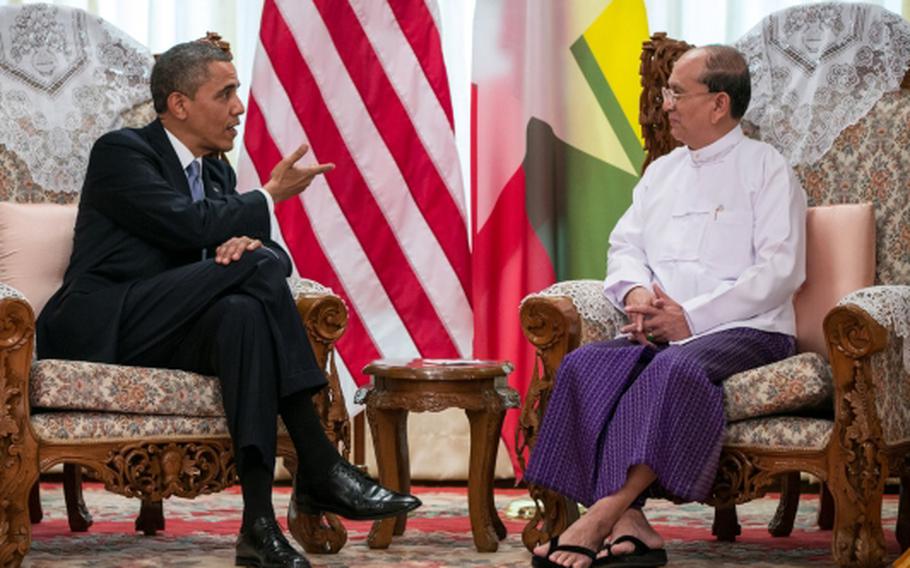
(589, 531)
(633, 523)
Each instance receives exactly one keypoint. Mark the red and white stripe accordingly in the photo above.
(363, 82)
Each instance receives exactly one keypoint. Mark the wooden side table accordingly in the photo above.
(432, 385)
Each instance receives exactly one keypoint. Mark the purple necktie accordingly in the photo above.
(193, 176)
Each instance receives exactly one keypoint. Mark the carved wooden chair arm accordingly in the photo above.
(17, 347)
(556, 320)
(598, 319)
(17, 338)
(325, 318)
(867, 337)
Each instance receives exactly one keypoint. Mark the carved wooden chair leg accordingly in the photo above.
(902, 530)
(151, 517)
(826, 508)
(35, 513)
(857, 538)
(76, 511)
(726, 526)
(782, 523)
(317, 534)
(553, 513)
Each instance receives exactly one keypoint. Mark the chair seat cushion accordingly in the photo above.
(802, 382)
(780, 432)
(80, 385)
(102, 426)
(93, 427)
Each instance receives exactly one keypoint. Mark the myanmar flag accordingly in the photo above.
(556, 152)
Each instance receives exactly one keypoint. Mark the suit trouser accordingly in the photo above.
(238, 322)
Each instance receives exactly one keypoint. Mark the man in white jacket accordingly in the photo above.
(705, 264)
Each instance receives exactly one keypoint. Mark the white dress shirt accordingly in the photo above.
(722, 230)
(185, 156)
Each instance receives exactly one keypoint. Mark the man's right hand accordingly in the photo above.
(639, 296)
(289, 179)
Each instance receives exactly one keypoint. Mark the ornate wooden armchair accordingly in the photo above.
(853, 443)
(145, 433)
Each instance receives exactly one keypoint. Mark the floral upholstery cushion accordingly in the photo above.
(784, 432)
(80, 385)
(797, 383)
(98, 426)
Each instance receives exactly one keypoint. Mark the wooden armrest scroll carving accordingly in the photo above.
(325, 318)
(858, 463)
(553, 326)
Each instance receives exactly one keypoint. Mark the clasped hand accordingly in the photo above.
(288, 179)
(654, 317)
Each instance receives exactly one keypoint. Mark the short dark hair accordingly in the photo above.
(726, 71)
(183, 68)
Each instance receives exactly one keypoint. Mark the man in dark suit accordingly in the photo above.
(171, 267)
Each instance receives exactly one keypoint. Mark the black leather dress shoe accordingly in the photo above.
(351, 494)
(262, 544)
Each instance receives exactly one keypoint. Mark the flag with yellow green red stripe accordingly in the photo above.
(556, 153)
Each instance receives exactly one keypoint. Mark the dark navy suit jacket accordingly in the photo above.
(136, 219)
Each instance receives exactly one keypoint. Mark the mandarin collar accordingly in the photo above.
(717, 149)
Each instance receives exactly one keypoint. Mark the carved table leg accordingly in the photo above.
(404, 469)
(389, 429)
(902, 530)
(76, 511)
(486, 425)
(726, 526)
(825, 508)
(151, 517)
(782, 523)
(35, 512)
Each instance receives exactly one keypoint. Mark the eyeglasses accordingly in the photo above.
(672, 97)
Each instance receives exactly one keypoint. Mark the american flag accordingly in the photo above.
(363, 82)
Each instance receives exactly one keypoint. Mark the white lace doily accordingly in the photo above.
(819, 68)
(600, 320)
(65, 77)
(305, 287)
(889, 306)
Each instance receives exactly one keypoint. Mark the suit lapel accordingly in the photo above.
(212, 187)
(158, 140)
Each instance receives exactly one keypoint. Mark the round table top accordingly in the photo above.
(438, 369)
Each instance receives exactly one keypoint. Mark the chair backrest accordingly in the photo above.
(868, 161)
(67, 78)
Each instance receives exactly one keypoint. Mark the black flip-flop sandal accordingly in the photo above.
(642, 557)
(545, 562)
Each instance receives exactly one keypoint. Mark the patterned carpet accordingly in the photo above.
(201, 533)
